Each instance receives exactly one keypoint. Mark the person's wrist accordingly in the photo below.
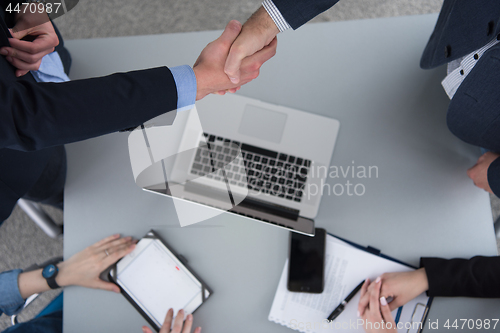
(264, 24)
(200, 89)
(63, 278)
(423, 284)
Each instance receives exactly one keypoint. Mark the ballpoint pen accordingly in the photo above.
(338, 310)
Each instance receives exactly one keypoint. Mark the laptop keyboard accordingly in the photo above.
(267, 171)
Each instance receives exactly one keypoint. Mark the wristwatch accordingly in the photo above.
(49, 272)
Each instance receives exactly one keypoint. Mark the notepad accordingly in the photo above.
(345, 267)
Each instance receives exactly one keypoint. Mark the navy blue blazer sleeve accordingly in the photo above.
(299, 12)
(476, 277)
(494, 177)
(38, 115)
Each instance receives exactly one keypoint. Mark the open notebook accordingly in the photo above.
(345, 267)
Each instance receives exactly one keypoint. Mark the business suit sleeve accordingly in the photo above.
(39, 115)
(476, 277)
(494, 176)
(299, 12)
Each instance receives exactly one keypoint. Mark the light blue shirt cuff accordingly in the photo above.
(11, 301)
(51, 69)
(185, 80)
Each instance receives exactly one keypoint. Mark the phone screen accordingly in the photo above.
(306, 263)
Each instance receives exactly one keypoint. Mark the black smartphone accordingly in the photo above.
(306, 264)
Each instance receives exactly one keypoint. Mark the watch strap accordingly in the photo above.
(52, 282)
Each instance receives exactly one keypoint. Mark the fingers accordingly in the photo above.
(188, 324)
(113, 243)
(197, 330)
(21, 72)
(18, 32)
(471, 171)
(120, 253)
(22, 55)
(375, 296)
(24, 65)
(146, 329)
(363, 300)
(167, 323)
(41, 44)
(100, 284)
(105, 240)
(386, 311)
(179, 319)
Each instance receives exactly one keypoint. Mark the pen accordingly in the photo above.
(338, 310)
(398, 315)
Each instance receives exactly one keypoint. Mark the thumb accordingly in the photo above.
(100, 284)
(234, 58)
(18, 32)
(232, 30)
(146, 329)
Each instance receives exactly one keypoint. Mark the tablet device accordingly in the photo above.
(154, 279)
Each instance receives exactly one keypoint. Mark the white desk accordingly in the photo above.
(365, 74)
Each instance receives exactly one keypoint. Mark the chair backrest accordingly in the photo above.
(37, 214)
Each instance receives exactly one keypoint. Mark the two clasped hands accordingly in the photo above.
(387, 293)
(33, 37)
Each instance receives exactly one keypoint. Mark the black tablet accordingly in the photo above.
(154, 279)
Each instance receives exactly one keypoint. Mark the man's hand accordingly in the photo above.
(258, 32)
(39, 37)
(479, 172)
(209, 68)
(179, 326)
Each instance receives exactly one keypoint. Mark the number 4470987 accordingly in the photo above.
(32, 7)
(472, 324)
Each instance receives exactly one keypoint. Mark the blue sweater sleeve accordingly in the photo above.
(11, 301)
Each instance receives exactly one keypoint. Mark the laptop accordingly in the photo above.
(265, 162)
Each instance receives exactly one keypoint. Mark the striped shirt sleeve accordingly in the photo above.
(275, 14)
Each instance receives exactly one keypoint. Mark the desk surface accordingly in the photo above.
(365, 74)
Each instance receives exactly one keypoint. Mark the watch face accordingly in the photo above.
(49, 271)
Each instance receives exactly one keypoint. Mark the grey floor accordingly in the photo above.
(21, 242)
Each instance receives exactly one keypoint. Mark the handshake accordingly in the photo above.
(233, 59)
(225, 64)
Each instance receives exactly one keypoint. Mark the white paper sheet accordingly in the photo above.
(345, 267)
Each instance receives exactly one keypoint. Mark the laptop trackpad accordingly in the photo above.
(263, 123)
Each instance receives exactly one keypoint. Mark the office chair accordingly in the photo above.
(496, 225)
(40, 217)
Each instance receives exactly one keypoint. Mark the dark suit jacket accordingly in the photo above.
(473, 115)
(476, 277)
(34, 117)
(462, 27)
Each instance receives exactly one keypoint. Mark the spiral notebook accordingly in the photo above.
(346, 265)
